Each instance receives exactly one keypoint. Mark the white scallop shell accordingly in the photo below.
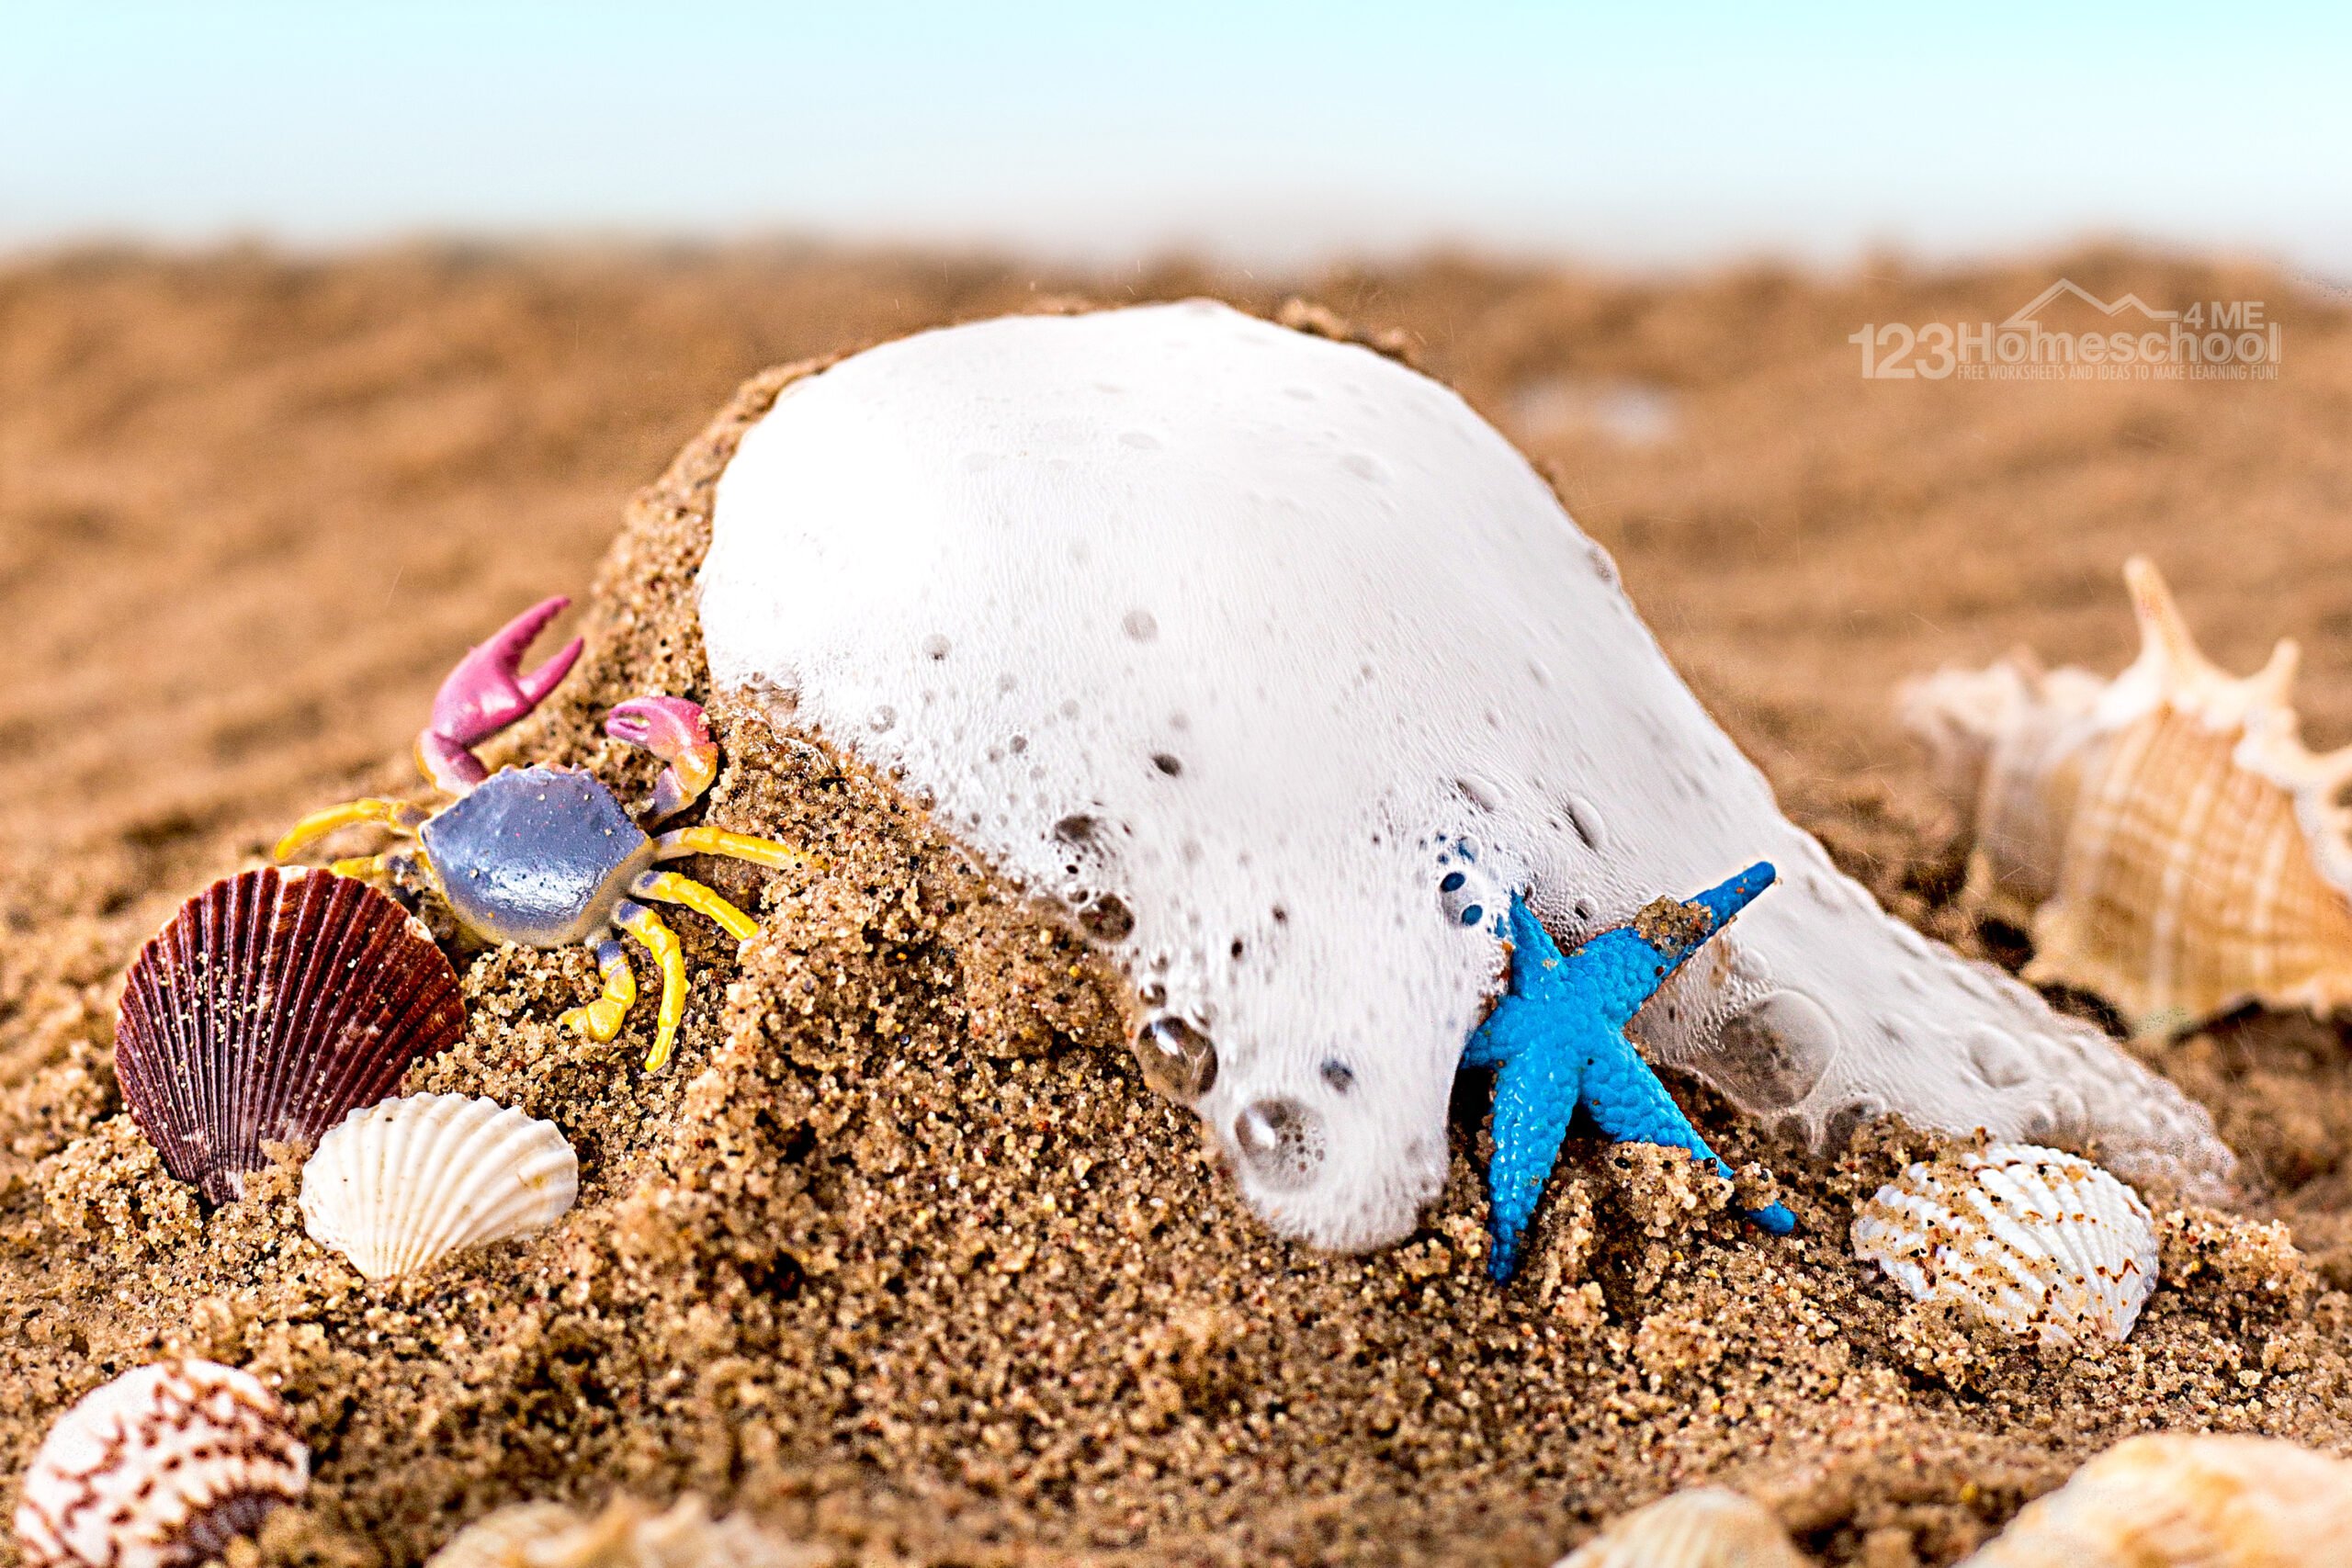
(161, 1468)
(1707, 1527)
(625, 1535)
(400, 1186)
(2033, 1240)
(2177, 1497)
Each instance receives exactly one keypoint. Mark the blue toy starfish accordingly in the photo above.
(1559, 1040)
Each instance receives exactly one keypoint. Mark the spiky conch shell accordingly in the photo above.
(628, 1534)
(2166, 837)
(398, 1187)
(1707, 1527)
(2034, 1240)
(271, 1004)
(161, 1468)
(2188, 1498)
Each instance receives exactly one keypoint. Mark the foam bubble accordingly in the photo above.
(1395, 659)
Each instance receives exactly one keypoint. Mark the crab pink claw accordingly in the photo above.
(486, 693)
(672, 730)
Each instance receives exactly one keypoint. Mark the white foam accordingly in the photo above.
(1287, 623)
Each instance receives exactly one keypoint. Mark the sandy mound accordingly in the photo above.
(902, 1252)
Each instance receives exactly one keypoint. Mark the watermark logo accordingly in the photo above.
(2124, 340)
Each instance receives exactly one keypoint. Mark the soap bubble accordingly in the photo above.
(1773, 1051)
(1178, 1059)
(1281, 1141)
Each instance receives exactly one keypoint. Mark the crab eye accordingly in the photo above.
(1465, 896)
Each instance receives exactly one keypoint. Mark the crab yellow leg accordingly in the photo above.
(600, 1020)
(659, 941)
(671, 888)
(397, 815)
(389, 865)
(679, 842)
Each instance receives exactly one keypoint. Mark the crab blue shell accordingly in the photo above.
(535, 855)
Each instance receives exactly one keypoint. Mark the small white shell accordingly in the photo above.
(625, 1535)
(2175, 1498)
(2033, 1240)
(400, 1186)
(161, 1468)
(1708, 1527)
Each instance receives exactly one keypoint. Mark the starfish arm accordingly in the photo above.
(1514, 1025)
(1628, 1103)
(1537, 969)
(1726, 899)
(1535, 1096)
(1630, 1106)
(1621, 969)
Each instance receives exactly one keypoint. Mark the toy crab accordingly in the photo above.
(546, 855)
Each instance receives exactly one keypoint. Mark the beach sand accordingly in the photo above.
(901, 1254)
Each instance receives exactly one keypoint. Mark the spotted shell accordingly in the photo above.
(1708, 1527)
(2029, 1239)
(271, 1004)
(2216, 1502)
(400, 1186)
(2166, 837)
(628, 1534)
(161, 1468)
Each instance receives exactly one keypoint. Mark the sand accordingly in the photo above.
(903, 1254)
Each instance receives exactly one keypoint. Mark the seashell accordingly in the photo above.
(271, 1005)
(628, 1534)
(2166, 837)
(1707, 1527)
(500, 1539)
(161, 1468)
(2179, 1498)
(2033, 1240)
(402, 1185)
(1262, 635)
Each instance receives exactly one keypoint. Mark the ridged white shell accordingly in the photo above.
(625, 1535)
(2034, 1240)
(2214, 1502)
(400, 1186)
(1708, 1527)
(161, 1468)
(2166, 836)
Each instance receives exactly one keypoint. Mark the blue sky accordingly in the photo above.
(1266, 132)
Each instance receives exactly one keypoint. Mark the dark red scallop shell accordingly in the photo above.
(268, 1007)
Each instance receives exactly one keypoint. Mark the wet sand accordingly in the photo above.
(902, 1252)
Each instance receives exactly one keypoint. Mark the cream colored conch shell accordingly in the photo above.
(400, 1186)
(2033, 1240)
(628, 1534)
(2215, 1501)
(1708, 1527)
(2166, 836)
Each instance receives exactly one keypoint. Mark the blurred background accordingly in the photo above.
(331, 335)
(1257, 134)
